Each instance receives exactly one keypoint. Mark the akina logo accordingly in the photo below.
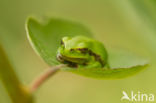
(137, 96)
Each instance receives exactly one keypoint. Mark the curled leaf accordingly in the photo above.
(45, 37)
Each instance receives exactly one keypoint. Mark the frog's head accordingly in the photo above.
(73, 50)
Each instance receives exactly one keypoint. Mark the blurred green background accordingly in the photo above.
(128, 24)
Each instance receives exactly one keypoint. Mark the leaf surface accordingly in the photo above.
(45, 38)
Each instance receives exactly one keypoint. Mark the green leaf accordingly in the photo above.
(45, 37)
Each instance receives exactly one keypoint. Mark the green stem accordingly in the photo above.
(17, 92)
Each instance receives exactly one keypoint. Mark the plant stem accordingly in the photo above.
(16, 90)
(44, 76)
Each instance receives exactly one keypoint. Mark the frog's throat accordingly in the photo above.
(82, 61)
(65, 59)
(61, 59)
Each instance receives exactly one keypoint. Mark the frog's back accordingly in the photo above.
(93, 45)
(99, 49)
(87, 45)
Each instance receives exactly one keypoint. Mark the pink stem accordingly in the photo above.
(44, 76)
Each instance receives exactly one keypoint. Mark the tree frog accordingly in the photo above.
(81, 51)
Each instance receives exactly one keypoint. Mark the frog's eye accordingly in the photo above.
(62, 43)
(83, 50)
(71, 50)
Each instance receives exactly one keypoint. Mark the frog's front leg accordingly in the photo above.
(93, 65)
(97, 65)
(107, 66)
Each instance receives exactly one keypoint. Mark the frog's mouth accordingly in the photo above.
(74, 62)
